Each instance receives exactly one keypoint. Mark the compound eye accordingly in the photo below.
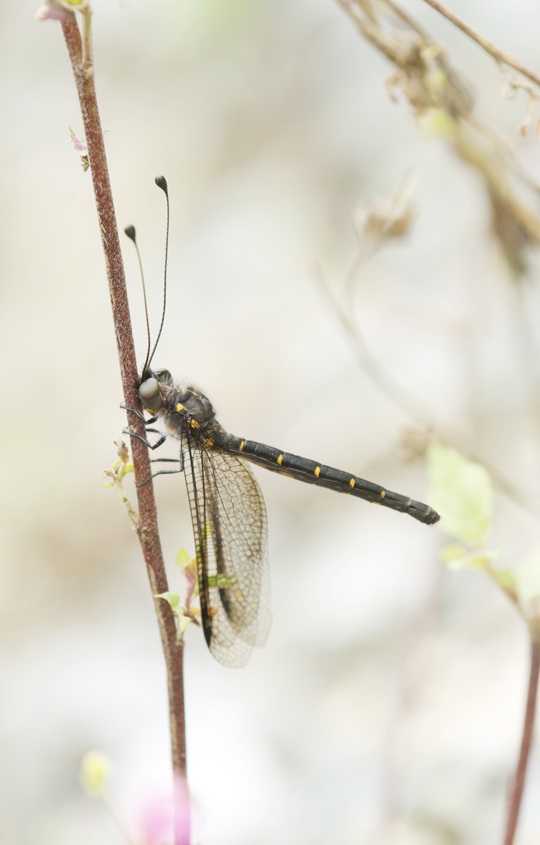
(150, 394)
(165, 377)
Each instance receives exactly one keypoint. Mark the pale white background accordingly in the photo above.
(387, 705)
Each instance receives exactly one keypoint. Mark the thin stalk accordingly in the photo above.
(147, 528)
(518, 785)
(488, 46)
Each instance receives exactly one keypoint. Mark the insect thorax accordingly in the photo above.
(188, 408)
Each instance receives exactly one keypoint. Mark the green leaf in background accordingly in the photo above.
(528, 582)
(462, 493)
(95, 769)
(458, 557)
(220, 17)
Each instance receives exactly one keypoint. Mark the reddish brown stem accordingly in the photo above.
(148, 527)
(526, 742)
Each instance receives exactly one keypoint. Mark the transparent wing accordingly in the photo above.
(231, 542)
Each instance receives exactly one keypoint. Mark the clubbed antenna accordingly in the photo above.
(132, 235)
(161, 182)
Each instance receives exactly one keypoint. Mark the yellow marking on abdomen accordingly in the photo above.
(179, 407)
(382, 494)
(317, 472)
(352, 482)
(279, 459)
(241, 447)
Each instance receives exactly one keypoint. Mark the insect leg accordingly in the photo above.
(138, 414)
(163, 471)
(146, 442)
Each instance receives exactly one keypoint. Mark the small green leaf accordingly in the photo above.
(171, 598)
(458, 558)
(462, 493)
(481, 560)
(183, 622)
(183, 618)
(183, 558)
(452, 553)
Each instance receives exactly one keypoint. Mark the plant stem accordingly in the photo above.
(494, 52)
(147, 528)
(526, 742)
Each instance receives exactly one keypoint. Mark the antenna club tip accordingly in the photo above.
(161, 182)
(130, 232)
